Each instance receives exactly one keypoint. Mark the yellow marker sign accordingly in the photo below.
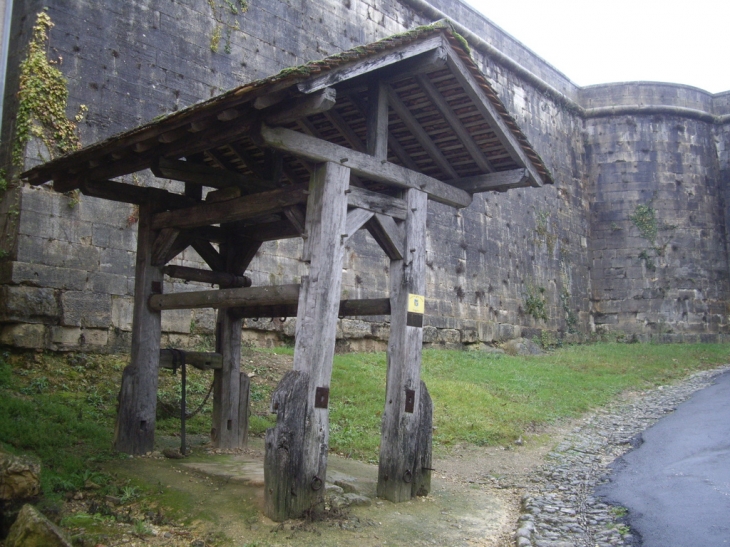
(416, 303)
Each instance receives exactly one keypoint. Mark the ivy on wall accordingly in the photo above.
(225, 13)
(42, 100)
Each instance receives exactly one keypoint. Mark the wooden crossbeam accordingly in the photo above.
(222, 279)
(226, 298)
(389, 236)
(472, 88)
(363, 164)
(233, 210)
(348, 308)
(377, 203)
(420, 134)
(208, 253)
(447, 112)
(356, 219)
(198, 359)
(162, 245)
(496, 182)
(128, 193)
(198, 173)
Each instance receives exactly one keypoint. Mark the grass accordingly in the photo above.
(61, 408)
(489, 399)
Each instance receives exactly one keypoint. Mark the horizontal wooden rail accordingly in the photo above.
(223, 279)
(198, 359)
(227, 298)
(348, 308)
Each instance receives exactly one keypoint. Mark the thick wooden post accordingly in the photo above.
(405, 444)
(305, 458)
(230, 385)
(135, 428)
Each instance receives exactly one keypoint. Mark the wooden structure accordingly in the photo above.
(358, 140)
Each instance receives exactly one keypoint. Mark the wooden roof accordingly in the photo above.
(447, 131)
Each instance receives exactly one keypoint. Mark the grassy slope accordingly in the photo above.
(61, 407)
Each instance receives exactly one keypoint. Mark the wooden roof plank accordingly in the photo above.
(485, 106)
(363, 165)
(446, 111)
(420, 133)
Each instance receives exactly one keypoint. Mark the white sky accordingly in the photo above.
(592, 42)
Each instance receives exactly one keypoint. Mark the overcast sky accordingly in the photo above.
(592, 42)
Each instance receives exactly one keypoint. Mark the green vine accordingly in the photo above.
(42, 100)
(225, 13)
(644, 218)
(543, 232)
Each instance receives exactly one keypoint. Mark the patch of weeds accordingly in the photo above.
(536, 302)
(648, 260)
(543, 232)
(619, 511)
(644, 218)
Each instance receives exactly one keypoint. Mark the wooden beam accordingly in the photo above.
(369, 64)
(318, 102)
(197, 173)
(226, 298)
(269, 231)
(348, 308)
(420, 134)
(127, 193)
(314, 350)
(363, 164)
(377, 203)
(377, 120)
(389, 236)
(356, 219)
(393, 144)
(296, 217)
(233, 210)
(208, 253)
(447, 112)
(164, 241)
(404, 469)
(198, 359)
(222, 279)
(181, 243)
(135, 427)
(344, 128)
(472, 88)
(495, 182)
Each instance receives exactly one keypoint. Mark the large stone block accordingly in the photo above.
(22, 273)
(27, 304)
(176, 321)
(86, 309)
(24, 335)
(122, 312)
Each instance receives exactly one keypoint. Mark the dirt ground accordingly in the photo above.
(217, 499)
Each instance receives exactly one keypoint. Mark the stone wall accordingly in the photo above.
(556, 259)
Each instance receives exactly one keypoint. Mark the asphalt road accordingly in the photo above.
(676, 485)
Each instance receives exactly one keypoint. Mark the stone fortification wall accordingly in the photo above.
(658, 237)
(510, 265)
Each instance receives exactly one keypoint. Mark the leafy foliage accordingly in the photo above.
(42, 100)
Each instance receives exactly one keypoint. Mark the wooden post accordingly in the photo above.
(135, 428)
(230, 385)
(405, 444)
(304, 459)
